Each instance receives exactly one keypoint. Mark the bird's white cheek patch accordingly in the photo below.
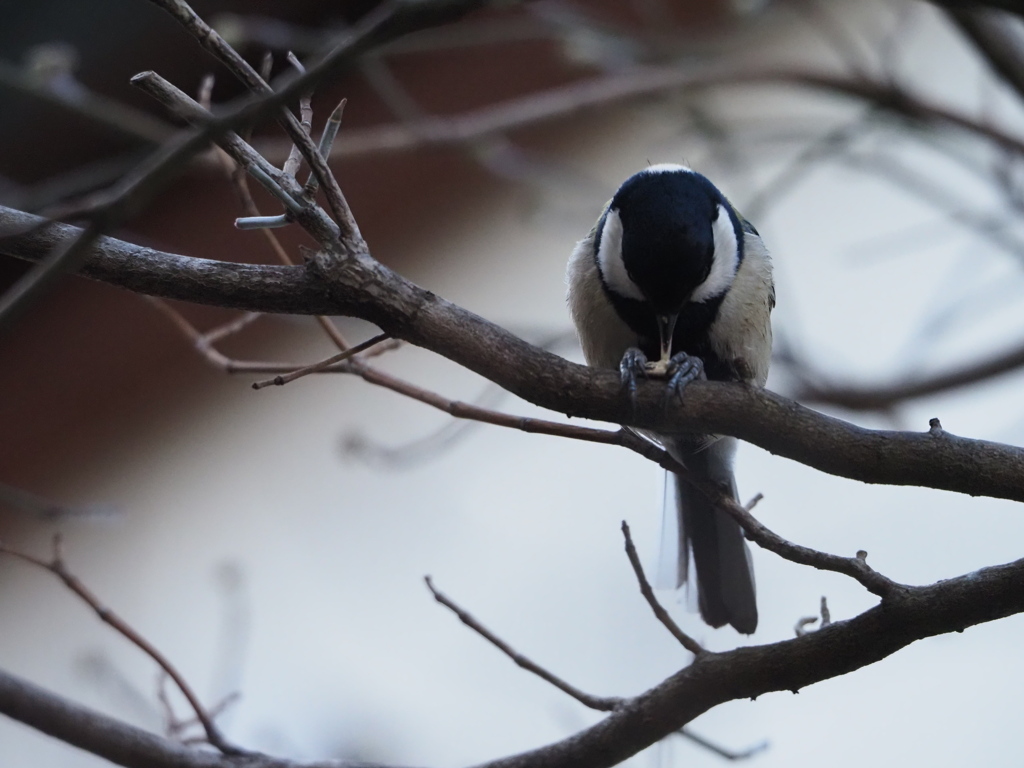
(725, 261)
(609, 259)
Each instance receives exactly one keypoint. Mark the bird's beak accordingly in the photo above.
(666, 327)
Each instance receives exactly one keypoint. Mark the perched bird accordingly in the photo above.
(672, 273)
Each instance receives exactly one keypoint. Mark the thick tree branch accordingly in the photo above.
(746, 673)
(361, 287)
(118, 742)
(712, 679)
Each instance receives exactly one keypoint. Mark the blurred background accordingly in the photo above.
(272, 543)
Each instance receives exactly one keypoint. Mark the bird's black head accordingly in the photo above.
(668, 238)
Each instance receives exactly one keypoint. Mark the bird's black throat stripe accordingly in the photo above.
(691, 332)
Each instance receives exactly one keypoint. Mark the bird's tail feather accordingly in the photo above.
(725, 578)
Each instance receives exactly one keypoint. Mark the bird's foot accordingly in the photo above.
(681, 370)
(633, 366)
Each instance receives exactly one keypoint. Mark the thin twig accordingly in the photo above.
(58, 568)
(435, 443)
(203, 344)
(291, 165)
(230, 328)
(645, 589)
(280, 380)
(462, 410)
(600, 703)
(722, 752)
(235, 172)
(331, 128)
(280, 185)
(350, 237)
(175, 727)
(855, 567)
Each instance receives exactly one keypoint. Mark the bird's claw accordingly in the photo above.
(679, 370)
(633, 365)
(682, 369)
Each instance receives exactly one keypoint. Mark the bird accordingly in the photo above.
(673, 282)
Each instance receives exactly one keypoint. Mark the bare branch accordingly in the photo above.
(118, 742)
(58, 568)
(298, 373)
(712, 679)
(433, 444)
(784, 666)
(351, 239)
(600, 703)
(327, 138)
(645, 588)
(291, 165)
(278, 183)
(856, 567)
(135, 190)
(235, 173)
(407, 312)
